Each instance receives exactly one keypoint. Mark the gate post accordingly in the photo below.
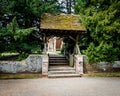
(45, 64)
(78, 63)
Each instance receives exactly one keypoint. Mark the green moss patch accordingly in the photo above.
(61, 22)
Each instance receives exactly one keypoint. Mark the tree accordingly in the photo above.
(20, 23)
(68, 6)
(102, 19)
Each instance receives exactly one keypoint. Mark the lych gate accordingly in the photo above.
(60, 26)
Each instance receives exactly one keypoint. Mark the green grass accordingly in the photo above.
(116, 74)
(19, 76)
(58, 52)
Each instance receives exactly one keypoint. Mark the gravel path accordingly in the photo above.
(84, 86)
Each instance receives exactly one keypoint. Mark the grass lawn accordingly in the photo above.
(114, 74)
(20, 76)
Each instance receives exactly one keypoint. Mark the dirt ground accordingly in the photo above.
(83, 86)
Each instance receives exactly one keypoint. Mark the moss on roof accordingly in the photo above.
(61, 22)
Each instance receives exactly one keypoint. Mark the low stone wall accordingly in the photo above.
(32, 64)
(106, 66)
(102, 66)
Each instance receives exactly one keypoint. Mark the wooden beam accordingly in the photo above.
(48, 37)
(76, 48)
(72, 38)
(77, 38)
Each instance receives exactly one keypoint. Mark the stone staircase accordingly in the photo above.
(56, 60)
(59, 67)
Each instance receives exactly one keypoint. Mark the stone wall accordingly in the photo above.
(102, 66)
(32, 64)
(108, 66)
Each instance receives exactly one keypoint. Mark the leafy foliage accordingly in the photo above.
(20, 24)
(102, 19)
(68, 46)
(102, 52)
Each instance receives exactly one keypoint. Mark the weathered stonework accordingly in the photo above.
(78, 62)
(11, 67)
(104, 66)
(32, 64)
(45, 64)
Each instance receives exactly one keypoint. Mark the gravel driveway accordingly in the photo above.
(84, 86)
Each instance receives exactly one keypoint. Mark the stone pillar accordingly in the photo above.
(78, 63)
(45, 64)
(71, 60)
(61, 44)
(45, 48)
(54, 45)
(48, 46)
(45, 44)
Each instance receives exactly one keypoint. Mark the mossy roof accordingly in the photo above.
(61, 22)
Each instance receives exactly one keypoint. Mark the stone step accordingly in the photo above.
(60, 68)
(62, 72)
(63, 75)
(57, 56)
(57, 59)
(58, 63)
